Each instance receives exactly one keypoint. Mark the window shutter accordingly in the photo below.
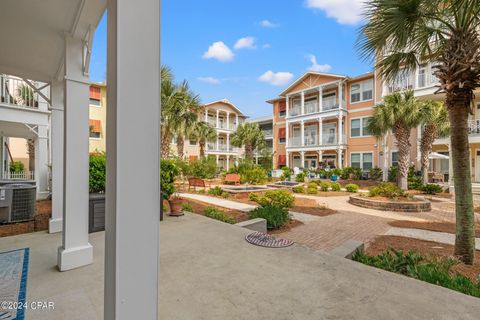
(281, 133)
(282, 106)
(95, 93)
(282, 159)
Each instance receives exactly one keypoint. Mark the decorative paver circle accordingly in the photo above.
(264, 240)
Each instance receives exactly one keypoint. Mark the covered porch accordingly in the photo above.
(53, 45)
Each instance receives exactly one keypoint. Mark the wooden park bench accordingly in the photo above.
(196, 182)
(232, 178)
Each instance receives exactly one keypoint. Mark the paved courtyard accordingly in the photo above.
(208, 272)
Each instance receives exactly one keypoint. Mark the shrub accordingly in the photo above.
(386, 189)
(280, 198)
(16, 166)
(204, 168)
(352, 187)
(168, 172)
(324, 186)
(202, 191)
(351, 173)
(432, 270)
(414, 181)
(97, 172)
(225, 195)
(337, 172)
(376, 174)
(187, 207)
(300, 177)
(432, 188)
(218, 214)
(335, 186)
(312, 185)
(312, 190)
(249, 172)
(215, 191)
(275, 216)
(287, 174)
(298, 189)
(393, 173)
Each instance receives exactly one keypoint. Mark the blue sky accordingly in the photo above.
(248, 51)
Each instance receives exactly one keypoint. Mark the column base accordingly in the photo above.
(55, 225)
(74, 257)
(42, 195)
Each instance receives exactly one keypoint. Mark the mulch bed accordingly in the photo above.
(432, 226)
(199, 206)
(431, 248)
(330, 194)
(310, 206)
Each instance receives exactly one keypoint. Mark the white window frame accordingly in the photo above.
(99, 105)
(361, 127)
(362, 83)
(361, 153)
(391, 157)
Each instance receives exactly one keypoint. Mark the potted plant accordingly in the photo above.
(168, 172)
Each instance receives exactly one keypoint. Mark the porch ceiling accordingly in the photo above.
(32, 33)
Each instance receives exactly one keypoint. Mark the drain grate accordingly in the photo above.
(264, 240)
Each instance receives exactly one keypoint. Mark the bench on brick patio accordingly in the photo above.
(196, 182)
(233, 178)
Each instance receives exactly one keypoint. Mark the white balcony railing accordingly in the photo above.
(310, 108)
(14, 91)
(222, 147)
(267, 132)
(474, 127)
(19, 175)
(309, 141)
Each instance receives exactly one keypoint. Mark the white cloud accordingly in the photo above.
(344, 11)
(276, 78)
(318, 67)
(211, 80)
(220, 51)
(266, 46)
(268, 24)
(245, 43)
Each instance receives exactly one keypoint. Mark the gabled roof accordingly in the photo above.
(268, 118)
(308, 73)
(225, 101)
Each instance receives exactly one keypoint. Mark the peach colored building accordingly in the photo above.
(98, 117)
(320, 120)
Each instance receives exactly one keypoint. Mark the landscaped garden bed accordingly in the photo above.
(430, 251)
(198, 207)
(387, 204)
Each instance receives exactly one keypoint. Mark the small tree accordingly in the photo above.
(400, 112)
(250, 136)
(203, 132)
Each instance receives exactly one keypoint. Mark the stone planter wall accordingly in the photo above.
(411, 206)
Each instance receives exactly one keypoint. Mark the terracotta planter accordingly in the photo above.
(175, 207)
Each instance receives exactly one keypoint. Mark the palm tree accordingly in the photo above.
(402, 34)
(178, 112)
(400, 113)
(249, 135)
(203, 132)
(435, 125)
(186, 117)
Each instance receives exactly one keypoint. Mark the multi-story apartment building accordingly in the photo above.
(320, 120)
(98, 117)
(224, 116)
(266, 125)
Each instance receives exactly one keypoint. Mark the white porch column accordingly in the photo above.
(287, 159)
(302, 101)
(41, 162)
(320, 156)
(236, 121)
(228, 163)
(302, 133)
(218, 119)
(206, 115)
(216, 158)
(218, 144)
(132, 240)
(287, 105)
(302, 153)
(75, 251)
(340, 94)
(320, 131)
(228, 120)
(228, 141)
(57, 118)
(340, 129)
(320, 98)
(340, 155)
(287, 125)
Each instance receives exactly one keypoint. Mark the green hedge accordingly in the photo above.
(97, 172)
(275, 216)
(218, 214)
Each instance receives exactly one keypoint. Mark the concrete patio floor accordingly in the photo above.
(209, 272)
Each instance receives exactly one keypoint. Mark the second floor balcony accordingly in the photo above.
(221, 147)
(312, 141)
(16, 92)
(314, 107)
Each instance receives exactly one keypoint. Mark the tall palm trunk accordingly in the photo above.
(180, 146)
(165, 147)
(202, 148)
(428, 137)
(465, 226)
(248, 151)
(402, 134)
